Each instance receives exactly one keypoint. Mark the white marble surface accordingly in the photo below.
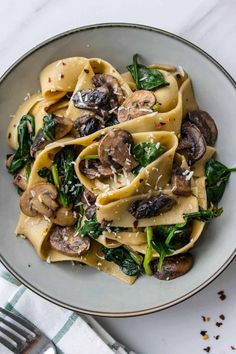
(211, 25)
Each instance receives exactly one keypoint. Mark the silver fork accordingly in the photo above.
(23, 336)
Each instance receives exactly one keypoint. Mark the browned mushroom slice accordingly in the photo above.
(64, 217)
(20, 179)
(88, 197)
(67, 241)
(63, 126)
(173, 266)
(137, 104)
(87, 124)
(94, 169)
(92, 99)
(205, 124)
(39, 142)
(113, 85)
(39, 199)
(153, 206)
(115, 149)
(180, 181)
(192, 143)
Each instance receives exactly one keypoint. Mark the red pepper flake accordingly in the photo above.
(232, 347)
(207, 349)
(86, 71)
(222, 317)
(203, 333)
(63, 63)
(62, 76)
(222, 295)
(217, 337)
(218, 324)
(49, 80)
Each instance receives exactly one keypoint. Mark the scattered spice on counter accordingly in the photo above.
(222, 295)
(207, 349)
(217, 337)
(218, 324)
(222, 317)
(204, 335)
(206, 318)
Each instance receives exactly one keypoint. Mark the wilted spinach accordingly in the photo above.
(123, 259)
(204, 215)
(164, 236)
(148, 253)
(91, 228)
(158, 244)
(64, 176)
(217, 177)
(146, 78)
(145, 153)
(49, 127)
(45, 172)
(26, 132)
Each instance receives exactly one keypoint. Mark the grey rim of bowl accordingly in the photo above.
(192, 292)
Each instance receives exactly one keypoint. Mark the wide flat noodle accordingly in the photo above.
(61, 76)
(117, 212)
(153, 176)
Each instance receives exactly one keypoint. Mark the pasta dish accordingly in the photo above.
(115, 170)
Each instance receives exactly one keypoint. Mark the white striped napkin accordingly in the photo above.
(70, 331)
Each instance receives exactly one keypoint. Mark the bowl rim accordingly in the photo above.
(155, 308)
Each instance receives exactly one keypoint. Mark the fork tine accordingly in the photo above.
(22, 332)
(8, 345)
(20, 320)
(17, 340)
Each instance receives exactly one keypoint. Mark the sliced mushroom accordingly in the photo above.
(88, 197)
(113, 85)
(90, 211)
(67, 241)
(39, 199)
(153, 206)
(92, 99)
(87, 124)
(39, 143)
(20, 179)
(94, 169)
(192, 143)
(137, 104)
(115, 149)
(173, 266)
(205, 124)
(62, 127)
(64, 217)
(181, 183)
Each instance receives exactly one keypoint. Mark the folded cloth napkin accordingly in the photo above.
(70, 331)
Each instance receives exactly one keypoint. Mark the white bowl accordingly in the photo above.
(87, 290)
